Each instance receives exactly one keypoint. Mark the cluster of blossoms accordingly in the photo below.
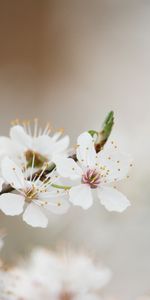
(49, 276)
(38, 173)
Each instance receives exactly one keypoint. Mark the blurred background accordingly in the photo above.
(70, 62)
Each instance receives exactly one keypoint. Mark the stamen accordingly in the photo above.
(35, 127)
(47, 129)
(29, 128)
(92, 178)
(32, 167)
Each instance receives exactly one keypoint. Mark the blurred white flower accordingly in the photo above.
(94, 171)
(7, 284)
(47, 276)
(6, 279)
(36, 194)
(24, 144)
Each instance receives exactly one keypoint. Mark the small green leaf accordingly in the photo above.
(104, 134)
(107, 125)
(93, 132)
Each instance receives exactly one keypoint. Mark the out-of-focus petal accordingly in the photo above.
(19, 136)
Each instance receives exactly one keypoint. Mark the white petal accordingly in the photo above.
(112, 199)
(11, 204)
(81, 195)
(7, 147)
(116, 163)
(52, 192)
(12, 173)
(67, 167)
(18, 135)
(43, 144)
(56, 135)
(34, 216)
(62, 144)
(58, 206)
(1, 183)
(86, 153)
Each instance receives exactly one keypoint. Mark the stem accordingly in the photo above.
(64, 187)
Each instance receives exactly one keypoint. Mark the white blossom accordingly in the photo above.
(95, 171)
(35, 195)
(23, 143)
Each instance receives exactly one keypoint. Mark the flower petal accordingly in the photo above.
(62, 144)
(34, 216)
(11, 204)
(115, 163)
(59, 206)
(81, 195)
(86, 153)
(67, 167)
(7, 147)
(56, 135)
(19, 136)
(112, 199)
(43, 144)
(12, 173)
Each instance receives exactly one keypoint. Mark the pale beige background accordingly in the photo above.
(70, 62)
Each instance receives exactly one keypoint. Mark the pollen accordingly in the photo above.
(61, 130)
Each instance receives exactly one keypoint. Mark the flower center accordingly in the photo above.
(31, 194)
(39, 159)
(92, 178)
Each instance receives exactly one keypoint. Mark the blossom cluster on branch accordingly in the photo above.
(39, 173)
